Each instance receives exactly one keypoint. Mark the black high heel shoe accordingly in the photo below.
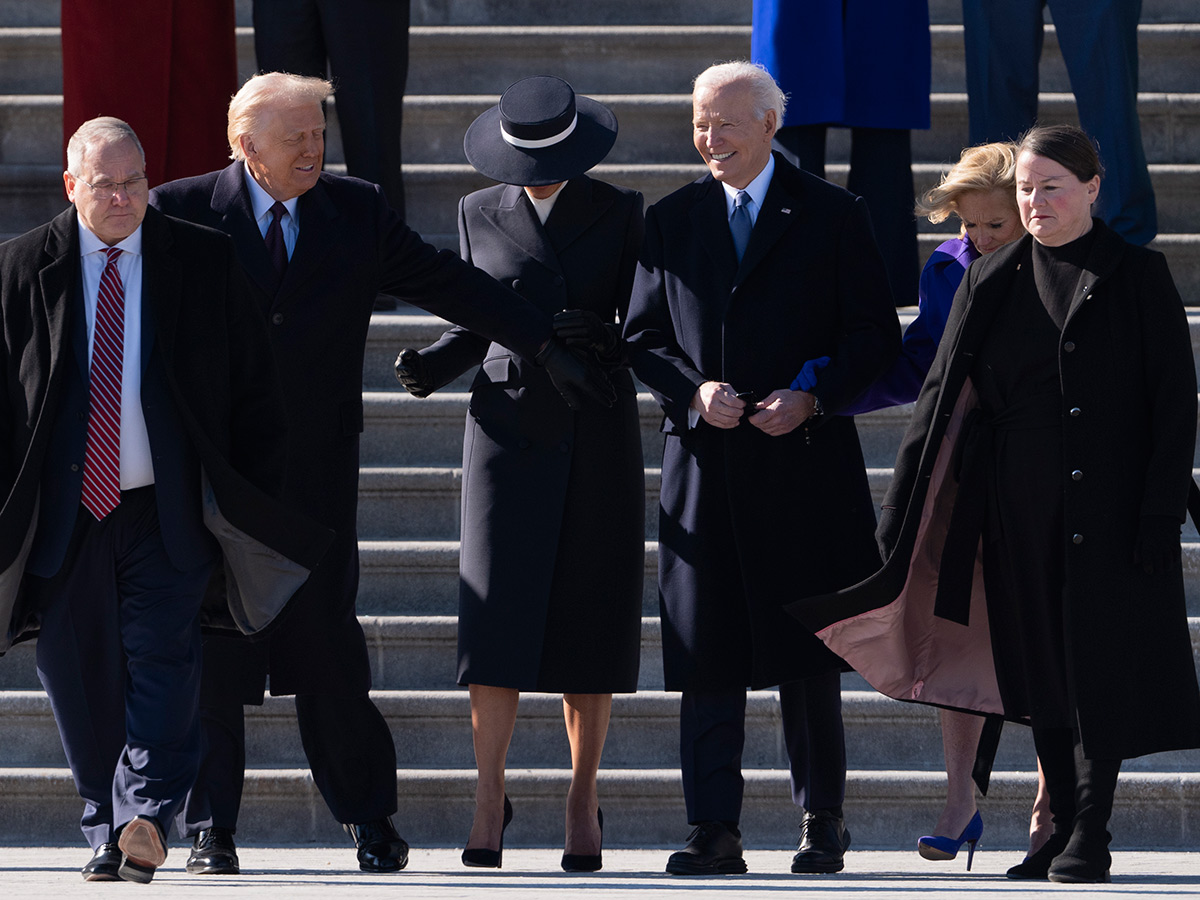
(586, 862)
(482, 857)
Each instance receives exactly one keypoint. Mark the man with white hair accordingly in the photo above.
(317, 249)
(140, 428)
(746, 274)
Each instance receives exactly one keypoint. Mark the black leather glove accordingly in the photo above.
(576, 379)
(1157, 549)
(583, 327)
(410, 372)
(887, 533)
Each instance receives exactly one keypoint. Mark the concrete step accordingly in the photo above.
(391, 332)
(392, 418)
(420, 578)
(653, 127)
(643, 808)
(418, 652)
(612, 58)
(607, 12)
(432, 729)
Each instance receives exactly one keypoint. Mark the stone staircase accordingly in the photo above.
(639, 57)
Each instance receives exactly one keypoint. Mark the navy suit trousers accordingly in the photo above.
(713, 733)
(119, 657)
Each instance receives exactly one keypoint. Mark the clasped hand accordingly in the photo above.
(778, 413)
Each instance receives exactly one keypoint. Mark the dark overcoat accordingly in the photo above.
(203, 326)
(746, 519)
(351, 247)
(553, 504)
(847, 62)
(1129, 428)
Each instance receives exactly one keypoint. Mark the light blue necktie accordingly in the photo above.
(740, 224)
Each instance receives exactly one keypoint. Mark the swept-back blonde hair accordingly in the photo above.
(985, 168)
(254, 101)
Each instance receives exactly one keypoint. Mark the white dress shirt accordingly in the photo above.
(137, 467)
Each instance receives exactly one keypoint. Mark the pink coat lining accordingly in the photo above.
(902, 649)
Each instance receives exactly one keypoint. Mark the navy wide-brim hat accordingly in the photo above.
(540, 133)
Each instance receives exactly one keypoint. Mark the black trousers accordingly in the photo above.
(880, 173)
(119, 657)
(712, 735)
(364, 45)
(346, 739)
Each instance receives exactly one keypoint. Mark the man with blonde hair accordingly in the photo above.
(142, 433)
(746, 274)
(317, 249)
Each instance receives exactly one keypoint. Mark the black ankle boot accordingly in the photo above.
(1037, 865)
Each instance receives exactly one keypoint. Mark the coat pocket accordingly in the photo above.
(499, 369)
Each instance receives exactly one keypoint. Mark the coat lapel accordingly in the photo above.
(62, 291)
(162, 285)
(319, 233)
(575, 211)
(778, 213)
(710, 222)
(516, 221)
(231, 201)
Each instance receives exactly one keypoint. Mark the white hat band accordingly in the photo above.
(543, 142)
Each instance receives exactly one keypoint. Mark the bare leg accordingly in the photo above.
(1041, 824)
(960, 740)
(493, 715)
(586, 717)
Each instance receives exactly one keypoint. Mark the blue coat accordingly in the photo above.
(847, 62)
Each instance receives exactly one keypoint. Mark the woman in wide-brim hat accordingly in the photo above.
(553, 506)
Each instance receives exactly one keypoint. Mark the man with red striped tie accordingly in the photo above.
(140, 436)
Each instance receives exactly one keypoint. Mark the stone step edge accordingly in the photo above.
(1170, 789)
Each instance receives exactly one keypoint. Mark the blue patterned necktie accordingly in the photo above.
(740, 224)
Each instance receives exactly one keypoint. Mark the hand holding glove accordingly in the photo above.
(576, 379)
(582, 327)
(410, 372)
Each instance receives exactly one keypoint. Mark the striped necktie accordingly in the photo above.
(102, 458)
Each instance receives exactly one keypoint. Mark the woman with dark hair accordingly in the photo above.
(553, 505)
(1031, 531)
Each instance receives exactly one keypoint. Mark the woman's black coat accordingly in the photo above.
(1129, 426)
(553, 505)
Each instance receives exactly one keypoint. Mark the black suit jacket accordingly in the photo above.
(749, 520)
(212, 408)
(351, 246)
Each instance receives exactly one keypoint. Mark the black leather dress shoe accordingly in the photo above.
(712, 849)
(380, 847)
(823, 843)
(143, 849)
(213, 853)
(104, 864)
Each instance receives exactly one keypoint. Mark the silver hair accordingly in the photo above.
(254, 101)
(765, 91)
(103, 131)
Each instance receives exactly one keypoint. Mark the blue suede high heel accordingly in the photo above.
(934, 846)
